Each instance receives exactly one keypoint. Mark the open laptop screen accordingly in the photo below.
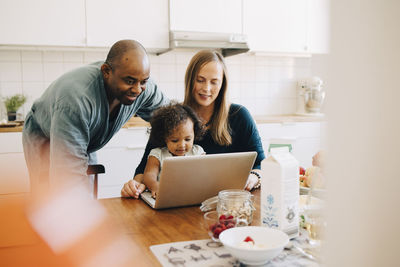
(190, 180)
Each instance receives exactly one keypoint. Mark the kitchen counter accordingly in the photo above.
(138, 122)
(15, 126)
(11, 129)
(285, 118)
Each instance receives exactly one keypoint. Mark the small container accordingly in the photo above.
(238, 203)
(217, 224)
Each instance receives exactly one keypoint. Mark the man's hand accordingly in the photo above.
(132, 189)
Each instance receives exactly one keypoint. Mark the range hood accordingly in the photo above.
(227, 43)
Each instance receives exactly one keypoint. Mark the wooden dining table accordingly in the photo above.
(125, 231)
(146, 226)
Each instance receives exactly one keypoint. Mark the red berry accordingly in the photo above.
(217, 231)
(233, 221)
(212, 226)
(222, 217)
(248, 239)
(230, 217)
(223, 227)
(230, 225)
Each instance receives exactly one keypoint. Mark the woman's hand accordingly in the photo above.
(252, 182)
(133, 189)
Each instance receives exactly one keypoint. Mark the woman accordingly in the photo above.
(230, 127)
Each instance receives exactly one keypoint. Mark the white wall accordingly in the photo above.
(364, 126)
(266, 85)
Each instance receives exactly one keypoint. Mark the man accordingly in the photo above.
(80, 112)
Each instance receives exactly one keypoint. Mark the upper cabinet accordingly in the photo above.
(145, 21)
(42, 22)
(287, 26)
(219, 16)
(318, 21)
(276, 26)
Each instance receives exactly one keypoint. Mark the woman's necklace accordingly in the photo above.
(205, 115)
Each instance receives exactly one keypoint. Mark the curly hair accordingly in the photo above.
(165, 119)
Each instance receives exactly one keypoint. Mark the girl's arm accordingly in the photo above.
(150, 174)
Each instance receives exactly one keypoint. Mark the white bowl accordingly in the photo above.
(273, 241)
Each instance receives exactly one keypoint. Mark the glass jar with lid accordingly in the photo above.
(238, 203)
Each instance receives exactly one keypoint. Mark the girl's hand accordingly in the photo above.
(154, 194)
(153, 187)
(150, 175)
(132, 189)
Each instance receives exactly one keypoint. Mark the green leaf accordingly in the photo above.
(13, 103)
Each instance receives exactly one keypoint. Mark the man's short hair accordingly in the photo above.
(119, 49)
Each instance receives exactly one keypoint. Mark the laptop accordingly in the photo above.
(186, 181)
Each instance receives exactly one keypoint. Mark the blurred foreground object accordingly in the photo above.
(64, 229)
(319, 159)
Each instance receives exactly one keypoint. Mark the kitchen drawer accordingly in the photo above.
(129, 138)
(308, 129)
(292, 130)
(277, 130)
(11, 142)
(119, 163)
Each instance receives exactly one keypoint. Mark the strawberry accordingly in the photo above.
(222, 217)
(248, 239)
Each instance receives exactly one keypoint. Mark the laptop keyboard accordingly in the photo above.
(147, 197)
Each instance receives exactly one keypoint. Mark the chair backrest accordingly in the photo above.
(95, 170)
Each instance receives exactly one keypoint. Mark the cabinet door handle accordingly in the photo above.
(133, 147)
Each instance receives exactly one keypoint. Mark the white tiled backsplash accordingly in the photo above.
(265, 85)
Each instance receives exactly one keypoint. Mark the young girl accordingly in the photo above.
(174, 128)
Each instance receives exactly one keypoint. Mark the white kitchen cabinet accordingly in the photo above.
(144, 21)
(305, 138)
(275, 26)
(318, 26)
(14, 177)
(120, 158)
(42, 22)
(287, 26)
(220, 16)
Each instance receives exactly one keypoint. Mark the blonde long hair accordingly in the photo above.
(219, 124)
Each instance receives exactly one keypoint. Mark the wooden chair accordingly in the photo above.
(95, 170)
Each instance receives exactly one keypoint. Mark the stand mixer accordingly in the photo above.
(310, 97)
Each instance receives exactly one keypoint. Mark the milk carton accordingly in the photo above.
(280, 191)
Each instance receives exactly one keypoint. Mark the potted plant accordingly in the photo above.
(13, 103)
